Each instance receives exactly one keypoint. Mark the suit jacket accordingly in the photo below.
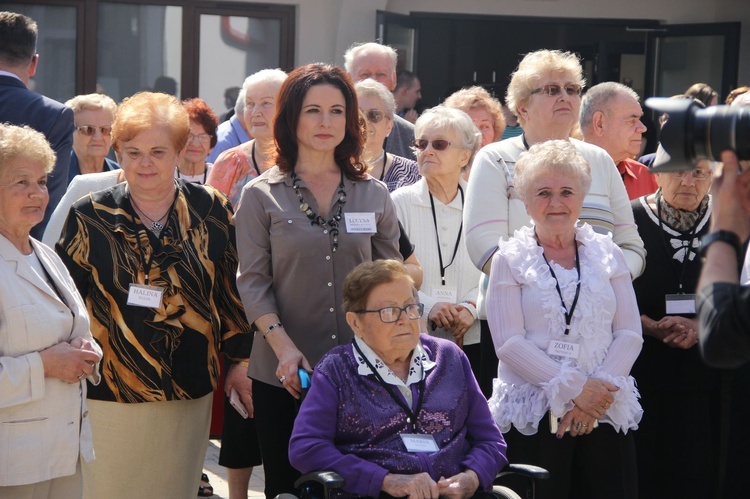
(44, 423)
(20, 106)
(401, 138)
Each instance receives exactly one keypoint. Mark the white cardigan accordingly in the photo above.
(81, 185)
(494, 211)
(44, 423)
(413, 209)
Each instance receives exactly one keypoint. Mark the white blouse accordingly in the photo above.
(415, 213)
(525, 314)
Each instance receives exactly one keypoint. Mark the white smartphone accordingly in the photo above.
(234, 399)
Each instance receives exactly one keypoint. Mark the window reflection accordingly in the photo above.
(246, 45)
(56, 72)
(139, 48)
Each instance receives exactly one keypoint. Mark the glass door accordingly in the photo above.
(399, 32)
(233, 43)
(679, 55)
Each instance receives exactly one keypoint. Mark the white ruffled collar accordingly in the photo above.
(598, 264)
(419, 364)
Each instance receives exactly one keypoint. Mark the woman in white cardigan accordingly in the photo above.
(431, 212)
(545, 95)
(46, 348)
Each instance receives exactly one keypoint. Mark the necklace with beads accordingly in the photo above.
(156, 224)
(331, 225)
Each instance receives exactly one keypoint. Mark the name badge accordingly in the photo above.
(419, 443)
(563, 349)
(680, 304)
(363, 223)
(141, 295)
(449, 295)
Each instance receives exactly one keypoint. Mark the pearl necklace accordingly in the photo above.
(315, 219)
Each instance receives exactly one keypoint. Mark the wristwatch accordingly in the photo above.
(725, 236)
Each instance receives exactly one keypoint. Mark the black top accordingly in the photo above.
(660, 366)
(170, 352)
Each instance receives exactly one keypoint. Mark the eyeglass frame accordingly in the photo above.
(106, 131)
(377, 112)
(420, 307)
(202, 137)
(704, 175)
(545, 89)
(424, 143)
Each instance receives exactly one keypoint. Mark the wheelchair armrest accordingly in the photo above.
(527, 470)
(328, 480)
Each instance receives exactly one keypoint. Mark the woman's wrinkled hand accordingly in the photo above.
(70, 363)
(416, 486)
(462, 323)
(680, 332)
(459, 486)
(443, 315)
(580, 423)
(596, 397)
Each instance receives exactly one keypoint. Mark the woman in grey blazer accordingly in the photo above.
(46, 348)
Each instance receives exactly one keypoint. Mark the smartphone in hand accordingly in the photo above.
(234, 399)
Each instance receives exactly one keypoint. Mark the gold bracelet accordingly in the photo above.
(244, 363)
(271, 328)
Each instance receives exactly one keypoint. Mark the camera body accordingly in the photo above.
(693, 133)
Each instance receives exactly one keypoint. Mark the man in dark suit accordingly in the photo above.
(21, 106)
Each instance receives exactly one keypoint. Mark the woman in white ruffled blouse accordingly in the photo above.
(563, 315)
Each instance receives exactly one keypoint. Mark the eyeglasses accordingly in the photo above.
(392, 314)
(553, 90)
(202, 137)
(437, 144)
(374, 116)
(696, 174)
(89, 130)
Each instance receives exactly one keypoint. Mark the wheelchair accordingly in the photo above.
(323, 484)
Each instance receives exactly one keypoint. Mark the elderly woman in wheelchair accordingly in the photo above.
(396, 413)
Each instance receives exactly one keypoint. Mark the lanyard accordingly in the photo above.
(437, 235)
(568, 313)
(255, 161)
(680, 273)
(411, 415)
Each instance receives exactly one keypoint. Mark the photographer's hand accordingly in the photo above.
(731, 202)
(731, 212)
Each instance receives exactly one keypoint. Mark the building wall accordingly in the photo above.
(325, 28)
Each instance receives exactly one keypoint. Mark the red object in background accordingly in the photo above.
(217, 409)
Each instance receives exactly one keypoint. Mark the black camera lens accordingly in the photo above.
(692, 133)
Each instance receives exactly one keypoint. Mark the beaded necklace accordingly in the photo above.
(315, 219)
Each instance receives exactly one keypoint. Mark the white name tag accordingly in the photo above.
(449, 295)
(363, 223)
(141, 295)
(419, 443)
(563, 349)
(680, 304)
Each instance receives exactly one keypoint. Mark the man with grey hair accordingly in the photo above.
(376, 61)
(232, 132)
(611, 119)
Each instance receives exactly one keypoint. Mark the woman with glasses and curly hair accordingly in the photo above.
(405, 389)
